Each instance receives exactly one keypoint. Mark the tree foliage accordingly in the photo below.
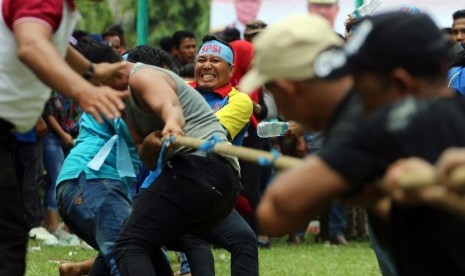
(165, 17)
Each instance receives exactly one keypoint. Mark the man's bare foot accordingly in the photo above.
(69, 269)
(76, 269)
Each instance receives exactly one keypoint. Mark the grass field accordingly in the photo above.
(280, 260)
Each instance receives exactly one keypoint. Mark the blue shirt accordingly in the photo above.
(456, 79)
(92, 136)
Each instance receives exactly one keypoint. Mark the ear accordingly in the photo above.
(231, 70)
(405, 82)
(286, 85)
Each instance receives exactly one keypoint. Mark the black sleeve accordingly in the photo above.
(361, 155)
(408, 128)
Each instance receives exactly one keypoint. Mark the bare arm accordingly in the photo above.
(297, 195)
(41, 127)
(102, 71)
(37, 52)
(150, 149)
(156, 93)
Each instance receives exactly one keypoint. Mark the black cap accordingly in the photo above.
(395, 39)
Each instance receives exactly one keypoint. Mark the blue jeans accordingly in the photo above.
(184, 263)
(95, 210)
(337, 220)
(54, 156)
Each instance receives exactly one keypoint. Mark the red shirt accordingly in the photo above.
(46, 12)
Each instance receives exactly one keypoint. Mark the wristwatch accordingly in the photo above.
(89, 73)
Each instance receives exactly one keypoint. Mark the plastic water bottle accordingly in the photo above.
(271, 129)
(365, 9)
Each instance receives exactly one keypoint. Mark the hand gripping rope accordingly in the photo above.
(264, 162)
(154, 174)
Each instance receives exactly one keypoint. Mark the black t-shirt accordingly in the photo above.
(423, 240)
(347, 116)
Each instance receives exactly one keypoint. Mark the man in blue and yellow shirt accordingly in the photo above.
(213, 69)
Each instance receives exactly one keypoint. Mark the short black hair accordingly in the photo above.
(110, 33)
(118, 30)
(78, 34)
(187, 71)
(458, 14)
(231, 34)
(97, 52)
(166, 44)
(210, 37)
(179, 36)
(152, 56)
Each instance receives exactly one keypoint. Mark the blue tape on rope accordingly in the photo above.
(210, 143)
(263, 161)
(154, 174)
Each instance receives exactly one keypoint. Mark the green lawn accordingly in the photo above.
(281, 259)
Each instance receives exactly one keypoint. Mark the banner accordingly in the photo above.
(235, 13)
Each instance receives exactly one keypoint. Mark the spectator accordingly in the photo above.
(246, 10)
(62, 115)
(187, 72)
(118, 30)
(184, 47)
(166, 44)
(114, 40)
(458, 26)
(326, 8)
(252, 28)
(231, 34)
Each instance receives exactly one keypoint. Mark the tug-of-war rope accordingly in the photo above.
(410, 180)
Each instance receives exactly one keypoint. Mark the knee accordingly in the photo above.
(248, 236)
(124, 250)
(242, 240)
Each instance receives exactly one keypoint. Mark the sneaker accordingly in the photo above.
(86, 246)
(40, 233)
(339, 240)
(65, 238)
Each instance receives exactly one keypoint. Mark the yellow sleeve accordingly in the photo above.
(236, 113)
